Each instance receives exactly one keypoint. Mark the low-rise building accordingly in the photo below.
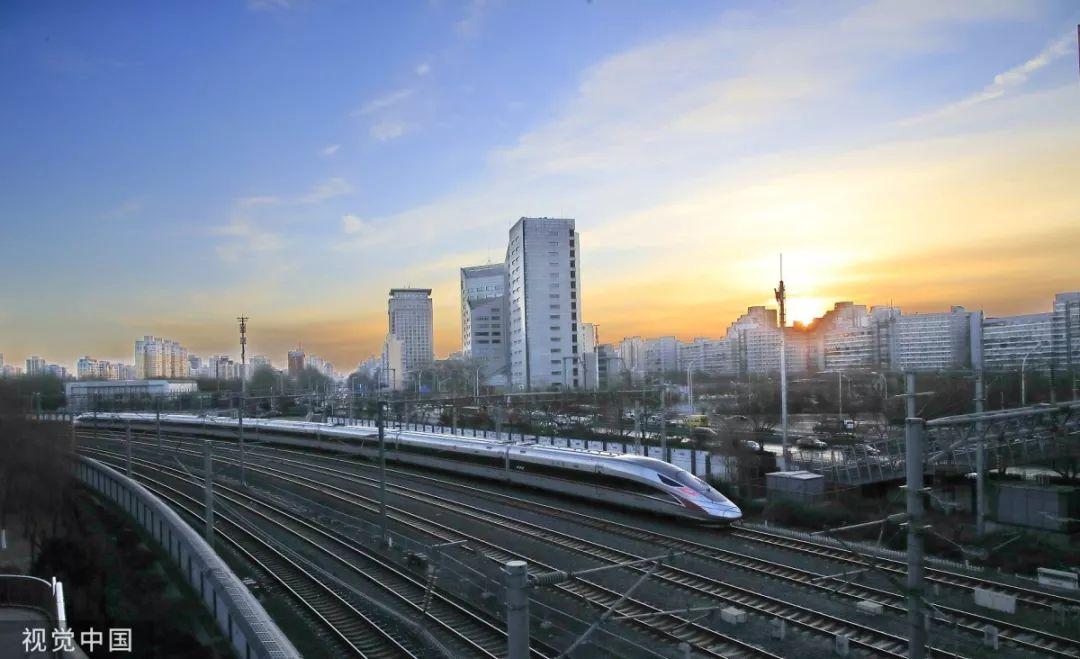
(106, 394)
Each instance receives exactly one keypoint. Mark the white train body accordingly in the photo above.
(628, 481)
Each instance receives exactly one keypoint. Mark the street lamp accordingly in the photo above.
(884, 388)
(690, 380)
(840, 392)
(1023, 378)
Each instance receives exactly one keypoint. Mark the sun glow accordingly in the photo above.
(805, 309)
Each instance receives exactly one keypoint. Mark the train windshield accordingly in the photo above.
(698, 485)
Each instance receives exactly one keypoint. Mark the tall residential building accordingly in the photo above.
(608, 367)
(714, 356)
(88, 368)
(1008, 340)
(222, 367)
(1066, 335)
(849, 337)
(156, 357)
(938, 341)
(296, 362)
(57, 371)
(543, 266)
(260, 361)
(35, 365)
(410, 315)
(484, 316)
(661, 355)
(631, 352)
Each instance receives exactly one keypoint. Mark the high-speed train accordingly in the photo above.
(629, 481)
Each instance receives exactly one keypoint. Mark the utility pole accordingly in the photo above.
(980, 458)
(208, 490)
(243, 395)
(781, 299)
(914, 434)
(127, 463)
(517, 609)
(663, 425)
(909, 394)
(914, 437)
(640, 426)
(381, 419)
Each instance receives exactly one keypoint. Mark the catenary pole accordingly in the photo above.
(781, 298)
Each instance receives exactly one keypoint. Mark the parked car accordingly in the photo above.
(811, 443)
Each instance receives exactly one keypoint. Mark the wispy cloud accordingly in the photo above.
(353, 225)
(243, 237)
(258, 200)
(1009, 80)
(328, 189)
(469, 25)
(423, 69)
(330, 150)
(386, 130)
(384, 102)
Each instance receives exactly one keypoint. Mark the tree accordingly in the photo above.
(263, 380)
(311, 379)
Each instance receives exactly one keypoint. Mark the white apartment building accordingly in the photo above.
(484, 321)
(661, 355)
(88, 368)
(35, 365)
(156, 357)
(714, 356)
(392, 366)
(410, 315)
(631, 352)
(1066, 332)
(544, 299)
(937, 341)
(1006, 341)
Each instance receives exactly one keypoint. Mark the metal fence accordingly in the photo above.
(238, 615)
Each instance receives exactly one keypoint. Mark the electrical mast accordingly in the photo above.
(781, 299)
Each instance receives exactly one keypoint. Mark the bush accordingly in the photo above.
(799, 515)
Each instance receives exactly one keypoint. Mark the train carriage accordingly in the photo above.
(628, 481)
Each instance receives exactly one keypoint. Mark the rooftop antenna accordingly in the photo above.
(781, 299)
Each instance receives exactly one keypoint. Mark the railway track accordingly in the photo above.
(339, 623)
(1026, 596)
(472, 634)
(1030, 597)
(670, 628)
(812, 621)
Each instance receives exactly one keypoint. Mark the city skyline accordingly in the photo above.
(786, 129)
(281, 361)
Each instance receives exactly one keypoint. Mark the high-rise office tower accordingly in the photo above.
(410, 315)
(484, 316)
(296, 362)
(544, 296)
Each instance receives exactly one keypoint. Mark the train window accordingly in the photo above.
(692, 482)
(668, 481)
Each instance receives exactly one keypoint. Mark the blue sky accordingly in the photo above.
(171, 165)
